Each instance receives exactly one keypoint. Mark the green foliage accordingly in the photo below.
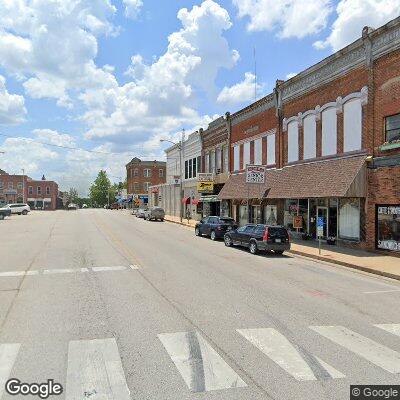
(73, 195)
(101, 191)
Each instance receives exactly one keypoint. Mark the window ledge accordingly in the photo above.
(389, 146)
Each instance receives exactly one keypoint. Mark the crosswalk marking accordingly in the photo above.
(59, 271)
(13, 273)
(302, 366)
(8, 355)
(366, 348)
(134, 266)
(391, 328)
(95, 371)
(200, 366)
(116, 268)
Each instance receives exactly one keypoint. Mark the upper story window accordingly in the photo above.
(309, 137)
(194, 167)
(1, 185)
(190, 168)
(212, 162)
(271, 149)
(186, 169)
(258, 151)
(392, 128)
(30, 189)
(147, 173)
(39, 190)
(146, 186)
(10, 185)
(225, 155)
(19, 185)
(199, 164)
(352, 125)
(136, 187)
(135, 172)
(329, 131)
(246, 154)
(160, 173)
(293, 141)
(218, 160)
(207, 161)
(236, 157)
(47, 189)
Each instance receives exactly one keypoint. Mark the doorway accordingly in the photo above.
(323, 212)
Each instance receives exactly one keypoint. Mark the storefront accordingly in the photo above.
(388, 227)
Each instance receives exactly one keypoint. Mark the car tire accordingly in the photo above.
(19, 213)
(1, 217)
(228, 241)
(24, 212)
(162, 220)
(197, 231)
(253, 248)
(279, 252)
(213, 235)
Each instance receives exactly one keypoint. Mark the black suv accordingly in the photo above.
(259, 237)
(215, 227)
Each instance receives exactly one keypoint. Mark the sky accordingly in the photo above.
(89, 84)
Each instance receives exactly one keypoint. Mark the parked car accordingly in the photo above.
(214, 227)
(155, 213)
(140, 212)
(19, 208)
(72, 206)
(5, 211)
(259, 237)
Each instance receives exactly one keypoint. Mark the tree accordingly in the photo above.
(73, 195)
(101, 191)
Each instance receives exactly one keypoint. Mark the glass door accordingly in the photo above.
(322, 212)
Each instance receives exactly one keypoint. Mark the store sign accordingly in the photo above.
(205, 177)
(205, 187)
(10, 191)
(388, 227)
(320, 226)
(176, 180)
(255, 174)
(298, 222)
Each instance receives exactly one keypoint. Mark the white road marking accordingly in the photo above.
(8, 355)
(95, 371)
(30, 273)
(200, 366)
(84, 269)
(134, 266)
(116, 268)
(391, 328)
(59, 271)
(383, 291)
(12, 273)
(279, 349)
(364, 347)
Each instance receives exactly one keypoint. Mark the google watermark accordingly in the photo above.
(375, 392)
(43, 390)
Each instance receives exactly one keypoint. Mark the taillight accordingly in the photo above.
(288, 237)
(219, 227)
(266, 235)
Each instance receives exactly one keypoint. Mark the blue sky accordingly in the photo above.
(115, 76)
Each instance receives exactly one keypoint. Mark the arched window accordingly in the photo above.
(352, 125)
(293, 141)
(309, 137)
(329, 131)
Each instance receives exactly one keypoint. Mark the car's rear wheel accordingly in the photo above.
(280, 252)
(19, 213)
(253, 248)
(24, 212)
(197, 231)
(228, 241)
(162, 220)
(1, 217)
(213, 235)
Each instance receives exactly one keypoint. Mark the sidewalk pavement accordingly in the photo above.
(358, 259)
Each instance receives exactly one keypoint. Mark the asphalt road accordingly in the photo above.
(114, 307)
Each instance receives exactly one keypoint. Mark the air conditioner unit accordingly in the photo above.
(218, 170)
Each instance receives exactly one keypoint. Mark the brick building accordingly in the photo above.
(39, 194)
(140, 175)
(330, 139)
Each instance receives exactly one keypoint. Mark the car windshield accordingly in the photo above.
(230, 221)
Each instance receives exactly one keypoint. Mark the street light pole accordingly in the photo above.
(23, 186)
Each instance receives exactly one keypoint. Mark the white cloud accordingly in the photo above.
(290, 18)
(132, 8)
(240, 92)
(160, 98)
(12, 108)
(54, 137)
(353, 15)
(291, 75)
(52, 45)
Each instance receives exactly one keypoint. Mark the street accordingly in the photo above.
(115, 307)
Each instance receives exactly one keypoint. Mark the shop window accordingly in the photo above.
(291, 208)
(246, 154)
(309, 137)
(329, 131)
(271, 149)
(236, 158)
(271, 214)
(352, 125)
(258, 151)
(388, 227)
(293, 141)
(243, 215)
(349, 218)
(392, 128)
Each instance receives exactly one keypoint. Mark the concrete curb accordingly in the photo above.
(345, 264)
(326, 259)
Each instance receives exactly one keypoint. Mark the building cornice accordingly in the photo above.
(255, 108)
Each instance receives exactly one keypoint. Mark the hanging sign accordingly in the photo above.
(255, 174)
(205, 187)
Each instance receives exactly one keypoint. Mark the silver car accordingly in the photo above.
(155, 213)
(140, 212)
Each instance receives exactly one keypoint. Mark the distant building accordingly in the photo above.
(39, 194)
(140, 175)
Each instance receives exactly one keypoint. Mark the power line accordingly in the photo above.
(59, 145)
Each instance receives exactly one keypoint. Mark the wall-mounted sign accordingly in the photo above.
(252, 129)
(205, 187)
(205, 177)
(176, 180)
(255, 174)
(388, 227)
(10, 191)
(297, 222)
(320, 226)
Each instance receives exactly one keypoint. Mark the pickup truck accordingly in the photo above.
(5, 211)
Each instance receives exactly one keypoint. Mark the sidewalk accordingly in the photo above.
(358, 259)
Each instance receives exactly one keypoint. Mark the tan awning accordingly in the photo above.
(342, 177)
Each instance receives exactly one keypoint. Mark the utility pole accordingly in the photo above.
(181, 173)
(23, 186)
